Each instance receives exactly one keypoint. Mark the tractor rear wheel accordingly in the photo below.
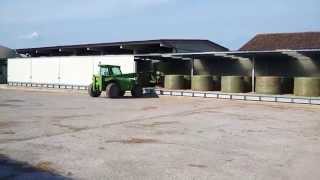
(137, 91)
(92, 92)
(112, 90)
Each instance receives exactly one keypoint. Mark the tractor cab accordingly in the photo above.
(110, 70)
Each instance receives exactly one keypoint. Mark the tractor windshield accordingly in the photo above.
(104, 71)
(116, 71)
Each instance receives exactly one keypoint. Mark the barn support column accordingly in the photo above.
(253, 74)
(192, 67)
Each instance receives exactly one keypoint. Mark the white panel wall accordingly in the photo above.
(72, 70)
(19, 70)
(45, 70)
(76, 70)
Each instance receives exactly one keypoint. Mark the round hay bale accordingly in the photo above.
(174, 82)
(232, 84)
(287, 85)
(307, 86)
(202, 83)
(187, 81)
(268, 84)
(216, 80)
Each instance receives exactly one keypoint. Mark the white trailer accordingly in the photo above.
(66, 70)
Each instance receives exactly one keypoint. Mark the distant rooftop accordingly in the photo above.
(6, 52)
(128, 47)
(279, 41)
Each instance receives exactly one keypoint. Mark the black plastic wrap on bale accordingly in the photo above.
(268, 84)
(174, 82)
(307, 86)
(202, 83)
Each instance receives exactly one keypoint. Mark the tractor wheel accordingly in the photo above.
(122, 93)
(112, 90)
(93, 93)
(137, 91)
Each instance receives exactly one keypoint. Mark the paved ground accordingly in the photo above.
(65, 135)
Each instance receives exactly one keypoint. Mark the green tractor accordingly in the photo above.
(111, 80)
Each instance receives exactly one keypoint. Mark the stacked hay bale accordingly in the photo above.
(174, 82)
(202, 83)
(307, 86)
(232, 84)
(268, 84)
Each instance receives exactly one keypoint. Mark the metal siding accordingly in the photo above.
(72, 70)
(76, 70)
(19, 70)
(45, 70)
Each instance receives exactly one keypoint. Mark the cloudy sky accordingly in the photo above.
(33, 23)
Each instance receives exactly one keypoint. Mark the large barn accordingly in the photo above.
(75, 64)
(284, 56)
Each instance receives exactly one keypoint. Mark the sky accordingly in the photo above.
(230, 23)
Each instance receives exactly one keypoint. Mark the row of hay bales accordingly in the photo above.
(208, 83)
(299, 86)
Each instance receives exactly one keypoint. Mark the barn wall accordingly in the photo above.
(222, 67)
(288, 67)
(71, 70)
(173, 67)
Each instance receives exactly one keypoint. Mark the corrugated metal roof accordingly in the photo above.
(128, 47)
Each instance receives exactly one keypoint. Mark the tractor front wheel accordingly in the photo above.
(93, 93)
(137, 91)
(112, 90)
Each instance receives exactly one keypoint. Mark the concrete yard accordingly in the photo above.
(62, 135)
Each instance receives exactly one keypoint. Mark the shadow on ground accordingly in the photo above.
(145, 96)
(12, 169)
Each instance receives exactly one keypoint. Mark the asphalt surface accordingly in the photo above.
(62, 135)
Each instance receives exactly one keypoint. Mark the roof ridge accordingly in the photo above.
(287, 33)
(115, 43)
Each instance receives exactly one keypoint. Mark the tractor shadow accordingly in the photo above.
(13, 169)
(145, 96)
